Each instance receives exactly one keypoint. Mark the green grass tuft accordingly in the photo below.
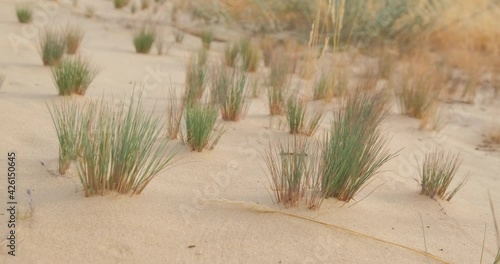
(52, 46)
(324, 87)
(438, 171)
(24, 14)
(120, 3)
(300, 119)
(71, 119)
(250, 56)
(200, 122)
(294, 168)
(125, 150)
(74, 37)
(279, 81)
(230, 92)
(144, 39)
(355, 149)
(196, 75)
(231, 54)
(74, 75)
(206, 37)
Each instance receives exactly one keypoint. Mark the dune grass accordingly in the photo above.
(497, 230)
(230, 92)
(24, 14)
(74, 75)
(418, 91)
(201, 132)
(52, 46)
(206, 37)
(355, 149)
(279, 81)
(250, 56)
(144, 39)
(324, 87)
(125, 150)
(231, 54)
(71, 120)
(74, 37)
(300, 119)
(438, 171)
(196, 76)
(294, 167)
(175, 110)
(120, 3)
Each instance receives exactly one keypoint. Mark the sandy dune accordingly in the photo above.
(173, 221)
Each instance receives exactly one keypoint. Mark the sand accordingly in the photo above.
(213, 207)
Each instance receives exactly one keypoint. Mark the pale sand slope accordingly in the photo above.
(160, 224)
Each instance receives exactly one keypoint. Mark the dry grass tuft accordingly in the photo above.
(300, 119)
(74, 37)
(438, 171)
(279, 82)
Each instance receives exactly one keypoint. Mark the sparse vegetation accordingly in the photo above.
(74, 36)
(175, 110)
(250, 56)
(120, 3)
(196, 73)
(52, 46)
(355, 148)
(300, 119)
(200, 123)
(144, 39)
(324, 87)
(206, 37)
(71, 120)
(294, 167)
(279, 80)
(438, 171)
(231, 54)
(419, 91)
(74, 75)
(230, 92)
(118, 132)
(24, 14)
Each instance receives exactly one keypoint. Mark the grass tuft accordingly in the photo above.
(438, 171)
(74, 37)
(200, 127)
(74, 75)
(144, 39)
(300, 120)
(206, 37)
(231, 54)
(175, 111)
(230, 92)
(294, 168)
(279, 81)
(125, 150)
(250, 56)
(120, 3)
(324, 87)
(196, 74)
(24, 14)
(71, 120)
(355, 148)
(52, 46)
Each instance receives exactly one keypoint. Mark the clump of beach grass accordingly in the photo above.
(71, 120)
(144, 39)
(201, 132)
(196, 75)
(250, 56)
(355, 149)
(74, 37)
(300, 119)
(279, 81)
(24, 14)
(175, 110)
(324, 87)
(125, 150)
(231, 54)
(438, 171)
(52, 46)
(74, 75)
(230, 92)
(120, 3)
(294, 168)
(206, 37)
(418, 92)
